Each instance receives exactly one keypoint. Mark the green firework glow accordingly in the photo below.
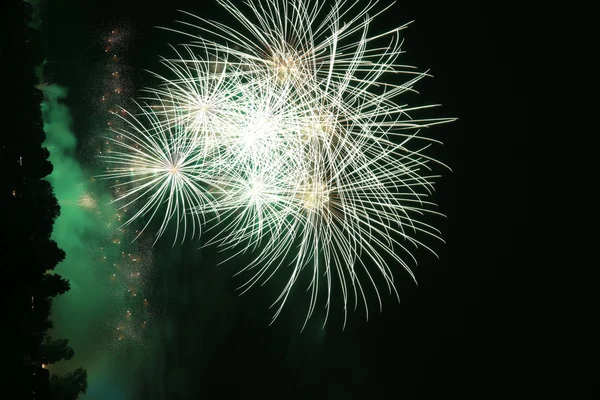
(105, 315)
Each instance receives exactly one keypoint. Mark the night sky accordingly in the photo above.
(477, 326)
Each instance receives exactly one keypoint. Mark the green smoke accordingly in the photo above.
(85, 314)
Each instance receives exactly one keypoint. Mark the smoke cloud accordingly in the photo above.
(85, 314)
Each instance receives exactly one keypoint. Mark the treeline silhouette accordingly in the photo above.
(29, 209)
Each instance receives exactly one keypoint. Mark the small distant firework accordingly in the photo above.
(82, 198)
(87, 201)
(287, 136)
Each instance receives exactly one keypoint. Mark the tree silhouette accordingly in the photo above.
(36, 163)
(68, 386)
(37, 325)
(30, 268)
(52, 285)
(42, 230)
(28, 208)
(34, 41)
(42, 169)
(40, 192)
(52, 351)
(47, 255)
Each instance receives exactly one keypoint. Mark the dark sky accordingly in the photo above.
(477, 326)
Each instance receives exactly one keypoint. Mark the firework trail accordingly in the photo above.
(129, 265)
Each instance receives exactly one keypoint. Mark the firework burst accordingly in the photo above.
(289, 133)
(161, 167)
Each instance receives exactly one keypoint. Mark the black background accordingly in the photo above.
(485, 321)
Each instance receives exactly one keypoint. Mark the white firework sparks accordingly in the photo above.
(160, 167)
(292, 136)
